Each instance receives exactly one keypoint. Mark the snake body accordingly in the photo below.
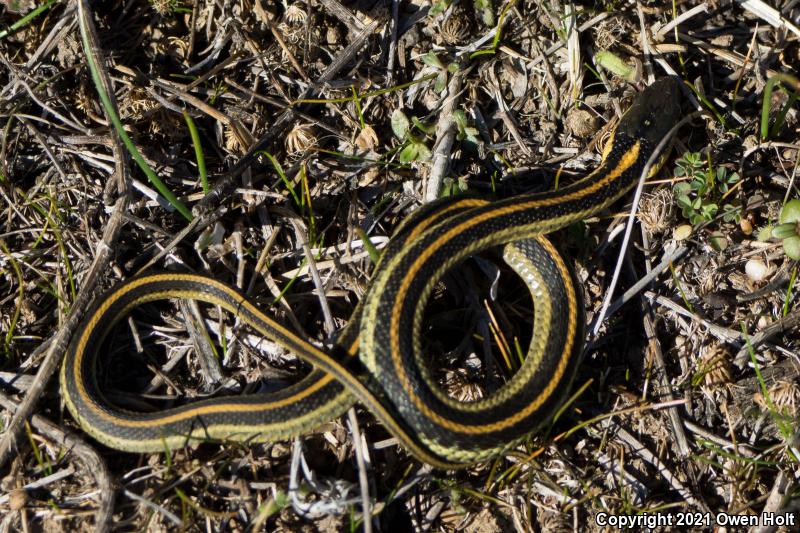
(379, 360)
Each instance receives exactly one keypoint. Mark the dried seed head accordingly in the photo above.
(136, 103)
(367, 139)
(785, 396)
(295, 14)
(333, 35)
(460, 388)
(232, 142)
(164, 7)
(657, 211)
(291, 34)
(455, 29)
(715, 365)
(300, 138)
(178, 47)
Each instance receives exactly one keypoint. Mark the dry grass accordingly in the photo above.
(675, 417)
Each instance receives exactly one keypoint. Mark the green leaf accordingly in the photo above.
(718, 241)
(731, 213)
(790, 212)
(438, 7)
(400, 124)
(432, 60)
(19, 8)
(422, 127)
(791, 247)
(423, 152)
(460, 119)
(441, 82)
(709, 210)
(682, 232)
(683, 202)
(765, 233)
(110, 108)
(409, 153)
(615, 64)
(785, 230)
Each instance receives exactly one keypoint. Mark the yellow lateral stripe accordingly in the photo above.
(191, 413)
(406, 276)
(628, 160)
(422, 226)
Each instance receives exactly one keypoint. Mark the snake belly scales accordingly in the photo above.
(379, 360)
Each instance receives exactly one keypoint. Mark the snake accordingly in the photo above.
(378, 359)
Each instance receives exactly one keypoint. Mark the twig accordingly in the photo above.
(209, 364)
(284, 120)
(392, 44)
(347, 17)
(632, 217)
(742, 449)
(445, 137)
(300, 233)
(155, 507)
(639, 449)
(658, 358)
(727, 55)
(288, 52)
(361, 456)
(680, 19)
(769, 14)
(52, 359)
(95, 465)
(639, 286)
(722, 333)
(785, 323)
(502, 110)
(775, 502)
(198, 224)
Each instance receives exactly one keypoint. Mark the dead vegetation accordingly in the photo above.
(321, 122)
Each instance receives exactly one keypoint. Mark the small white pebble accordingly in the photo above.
(756, 269)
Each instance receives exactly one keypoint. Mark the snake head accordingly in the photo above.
(654, 112)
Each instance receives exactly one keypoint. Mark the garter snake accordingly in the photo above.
(378, 360)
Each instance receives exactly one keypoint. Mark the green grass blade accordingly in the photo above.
(111, 112)
(27, 18)
(765, 104)
(198, 151)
